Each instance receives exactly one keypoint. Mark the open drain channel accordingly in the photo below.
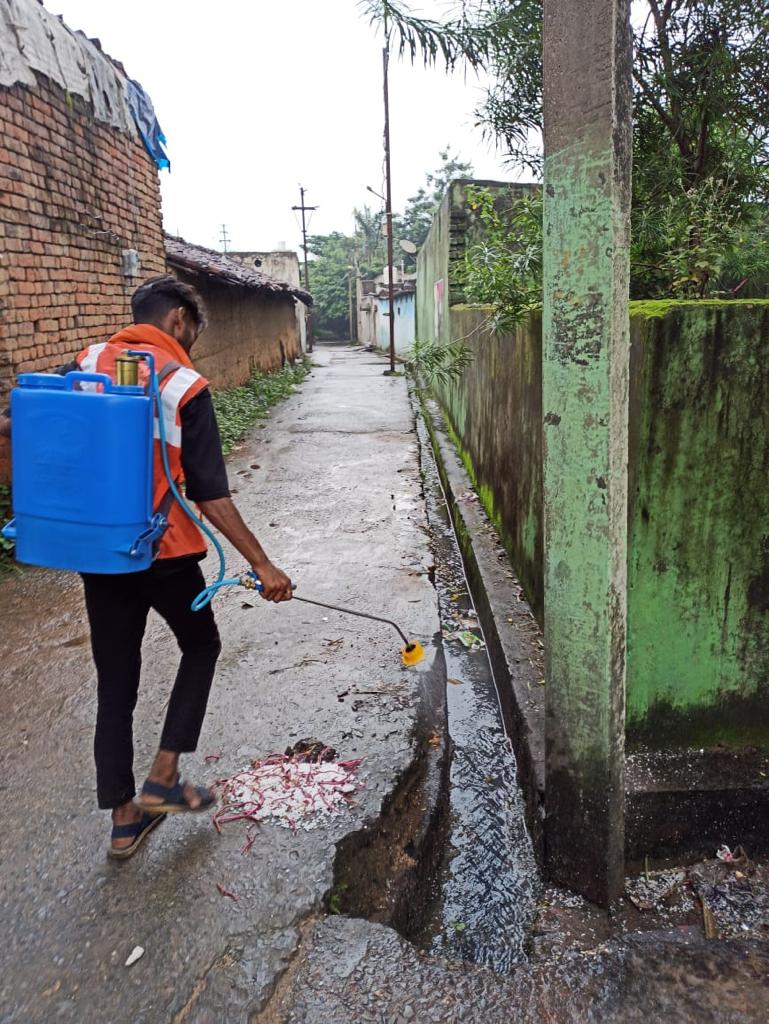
(486, 889)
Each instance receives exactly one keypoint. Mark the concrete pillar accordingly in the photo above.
(588, 142)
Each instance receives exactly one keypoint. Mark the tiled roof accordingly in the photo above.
(217, 265)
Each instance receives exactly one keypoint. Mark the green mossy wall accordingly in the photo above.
(698, 560)
(698, 542)
(493, 412)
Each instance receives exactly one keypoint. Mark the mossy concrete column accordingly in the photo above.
(587, 51)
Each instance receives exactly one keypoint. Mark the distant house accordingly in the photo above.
(374, 311)
(252, 318)
(282, 264)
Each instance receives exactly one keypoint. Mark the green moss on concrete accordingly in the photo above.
(657, 308)
(484, 491)
(698, 565)
(698, 541)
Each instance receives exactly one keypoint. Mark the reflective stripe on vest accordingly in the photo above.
(174, 391)
(178, 385)
(88, 364)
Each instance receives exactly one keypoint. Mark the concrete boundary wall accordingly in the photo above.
(698, 540)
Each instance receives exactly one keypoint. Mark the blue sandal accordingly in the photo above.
(136, 830)
(173, 800)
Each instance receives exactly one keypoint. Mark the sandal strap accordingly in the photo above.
(129, 831)
(171, 794)
(206, 796)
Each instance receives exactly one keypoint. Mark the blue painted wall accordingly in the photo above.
(405, 322)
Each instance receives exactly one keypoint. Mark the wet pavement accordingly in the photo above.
(355, 972)
(336, 486)
(335, 501)
(485, 893)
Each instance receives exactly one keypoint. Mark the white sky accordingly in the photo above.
(259, 96)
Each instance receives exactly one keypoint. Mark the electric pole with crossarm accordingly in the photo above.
(304, 209)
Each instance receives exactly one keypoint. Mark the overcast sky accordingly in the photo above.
(259, 96)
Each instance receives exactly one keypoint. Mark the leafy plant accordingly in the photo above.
(504, 268)
(701, 131)
(456, 40)
(336, 898)
(237, 409)
(439, 365)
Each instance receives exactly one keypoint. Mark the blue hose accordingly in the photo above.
(205, 596)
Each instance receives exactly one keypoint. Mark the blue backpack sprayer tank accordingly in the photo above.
(82, 450)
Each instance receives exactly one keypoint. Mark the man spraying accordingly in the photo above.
(168, 318)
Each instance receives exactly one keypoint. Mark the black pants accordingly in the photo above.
(118, 606)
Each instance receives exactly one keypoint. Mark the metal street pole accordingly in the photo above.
(304, 208)
(389, 198)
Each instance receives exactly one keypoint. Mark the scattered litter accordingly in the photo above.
(311, 750)
(227, 892)
(52, 990)
(250, 840)
(736, 858)
(136, 954)
(212, 758)
(466, 637)
(298, 789)
(709, 925)
(455, 682)
(648, 891)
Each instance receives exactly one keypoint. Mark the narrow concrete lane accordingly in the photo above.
(331, 484)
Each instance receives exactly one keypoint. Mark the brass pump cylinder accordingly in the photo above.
(127, 370)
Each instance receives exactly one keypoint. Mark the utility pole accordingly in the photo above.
(225, 240)
(389, 194)
(350, 305)
(588, 153)
(304, 209)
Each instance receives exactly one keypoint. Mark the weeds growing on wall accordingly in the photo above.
(439, 365)
(504, 269)
(237, 409)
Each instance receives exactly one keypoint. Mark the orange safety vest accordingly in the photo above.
(179, 382)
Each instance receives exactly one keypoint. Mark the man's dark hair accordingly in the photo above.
(156, 297)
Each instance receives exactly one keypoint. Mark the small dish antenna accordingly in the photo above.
(408, 246)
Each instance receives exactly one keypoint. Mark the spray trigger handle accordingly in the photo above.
(252, 582)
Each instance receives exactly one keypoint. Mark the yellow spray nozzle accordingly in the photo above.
(412, 653)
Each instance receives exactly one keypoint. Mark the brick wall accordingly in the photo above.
(247, 330)
(74, 192)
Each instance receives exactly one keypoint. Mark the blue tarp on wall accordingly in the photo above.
(144, 115)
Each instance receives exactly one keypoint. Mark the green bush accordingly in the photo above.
(432, 363)
(237, 409)
(504, 269)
